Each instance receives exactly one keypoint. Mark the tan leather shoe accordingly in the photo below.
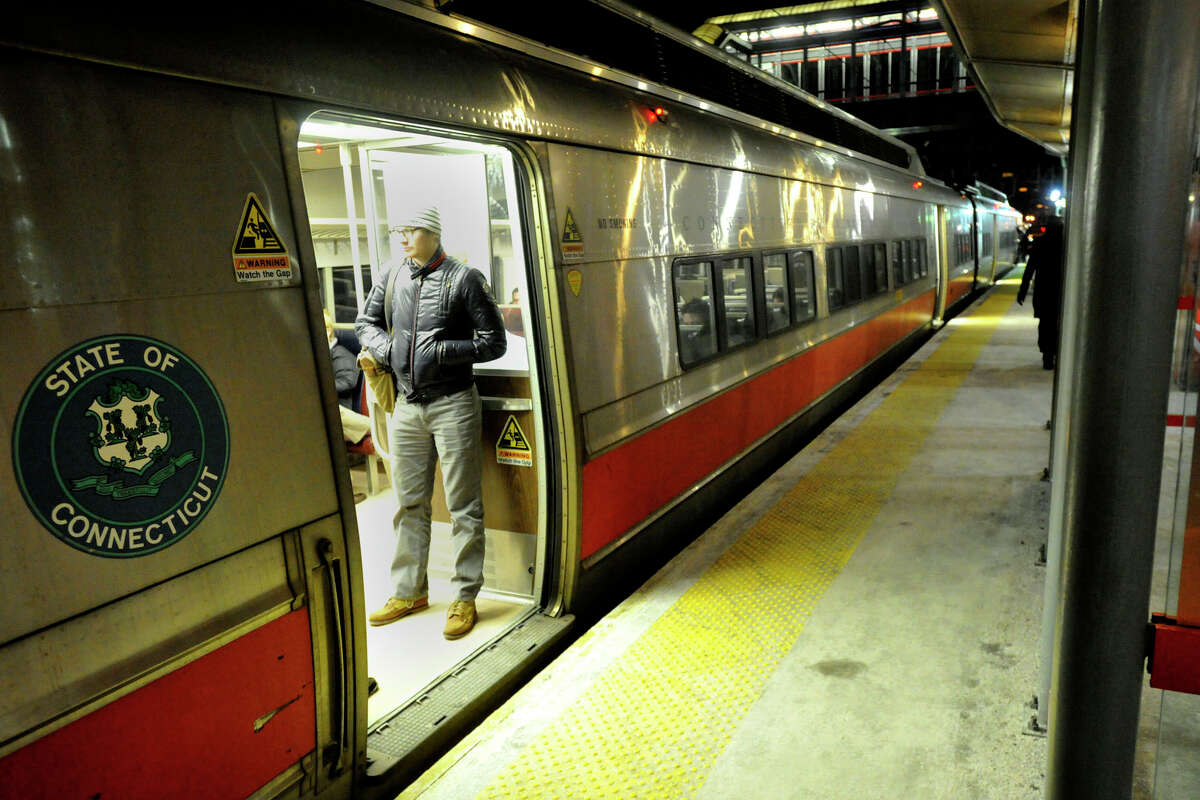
(397, 607)
(460, 619)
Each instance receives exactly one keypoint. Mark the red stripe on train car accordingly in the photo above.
(191, 733)
(1180, 421)
(630, 482)
(958, 287)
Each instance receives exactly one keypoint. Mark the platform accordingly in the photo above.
(863, 625)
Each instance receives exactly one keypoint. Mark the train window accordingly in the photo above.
(906, 260)
(775, 291)
(834, 280)
(802, 280)
(880, 261)
(987, 243)
(914, 259)
(897, 265)
(695, 317)
(739, 308)
(923, 260)
(867, 263)
(853, 274)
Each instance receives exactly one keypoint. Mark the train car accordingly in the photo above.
(997, 233)
(687, 290)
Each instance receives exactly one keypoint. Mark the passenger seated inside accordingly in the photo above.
(346, 379)
(696, 339)
(511, 314)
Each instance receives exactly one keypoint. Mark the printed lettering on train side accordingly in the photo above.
(121, 446)
(513, 447)
(572, 238)
(258, 252)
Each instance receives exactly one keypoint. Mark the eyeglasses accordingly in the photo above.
(409, 232)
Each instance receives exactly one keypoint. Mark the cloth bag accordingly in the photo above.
(380, 382)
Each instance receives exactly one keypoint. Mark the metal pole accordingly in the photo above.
(1072, 301)
(1129, 243)
(352, 214)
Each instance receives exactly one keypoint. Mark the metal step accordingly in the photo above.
(405, 743)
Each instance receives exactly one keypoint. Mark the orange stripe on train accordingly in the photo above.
(204, 730)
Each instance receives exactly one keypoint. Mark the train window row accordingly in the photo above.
(986, 249)
(717, 308)
(854, 273)
(720, 300)
(910, 261)
(964, 245)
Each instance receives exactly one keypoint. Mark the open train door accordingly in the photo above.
(358, 177)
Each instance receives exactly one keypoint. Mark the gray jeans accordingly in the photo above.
(418, 434)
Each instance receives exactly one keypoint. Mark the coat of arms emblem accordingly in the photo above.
(121, 446)
(133, 435)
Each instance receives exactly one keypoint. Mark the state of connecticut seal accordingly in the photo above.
(121, 446)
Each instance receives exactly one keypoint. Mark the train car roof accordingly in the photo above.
(390, 58)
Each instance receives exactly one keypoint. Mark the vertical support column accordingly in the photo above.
(1125, 250)
(352, 213)
(1072, 301)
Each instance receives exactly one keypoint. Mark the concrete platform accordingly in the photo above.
(864, 625)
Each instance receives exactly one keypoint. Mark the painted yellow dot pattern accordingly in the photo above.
(656, 720)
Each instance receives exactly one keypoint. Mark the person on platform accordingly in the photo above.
(442, 320)
(1046, 263)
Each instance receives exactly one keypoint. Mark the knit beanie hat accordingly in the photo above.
(427, 218)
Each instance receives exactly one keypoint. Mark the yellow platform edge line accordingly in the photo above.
(655, 721)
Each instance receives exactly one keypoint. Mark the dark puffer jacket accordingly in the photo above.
(444, 319)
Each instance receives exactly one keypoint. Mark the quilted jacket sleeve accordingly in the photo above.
(489, 341)
(371, 327)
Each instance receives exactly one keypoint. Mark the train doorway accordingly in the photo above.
(357, 177)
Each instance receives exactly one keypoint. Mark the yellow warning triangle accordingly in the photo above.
(513, 438)
(570, 229)
(256, 235)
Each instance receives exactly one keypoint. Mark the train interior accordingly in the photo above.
(474, 185)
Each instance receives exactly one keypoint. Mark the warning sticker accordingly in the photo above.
(513, 448)
(574, 281)
(258, 254)
(572, 239)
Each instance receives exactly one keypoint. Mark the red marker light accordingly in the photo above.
(1043, 229)
(319, 149)
(656, 114)
(918, 184)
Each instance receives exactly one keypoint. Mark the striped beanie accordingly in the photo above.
(427, 218)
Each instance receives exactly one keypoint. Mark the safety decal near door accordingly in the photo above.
(121, 446)
(513, 448)
(572, 239)
(258, 252)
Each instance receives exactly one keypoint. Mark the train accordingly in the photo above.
(688, 291)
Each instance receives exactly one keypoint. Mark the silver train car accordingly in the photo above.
(687, 290)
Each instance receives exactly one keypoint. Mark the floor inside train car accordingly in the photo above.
(863, 625)
(410, 653)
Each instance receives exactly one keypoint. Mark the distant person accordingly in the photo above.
(442, 320)
(1046, 262)
(515, 299)
(345, 378)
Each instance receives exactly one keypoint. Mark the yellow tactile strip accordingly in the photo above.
(655, 721)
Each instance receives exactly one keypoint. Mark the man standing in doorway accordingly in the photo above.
(441, 319)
